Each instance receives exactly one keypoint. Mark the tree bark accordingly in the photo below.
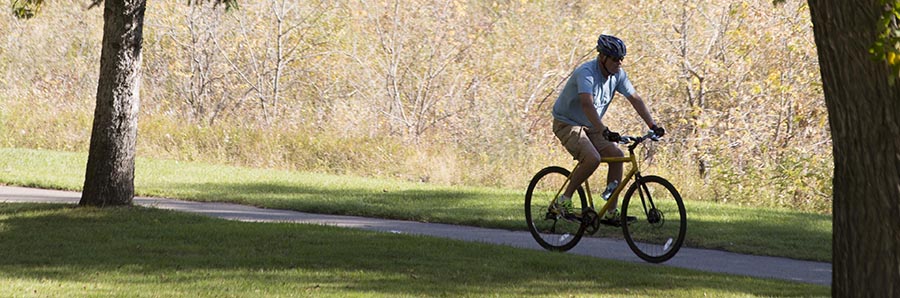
(109, 178)
(864, 115)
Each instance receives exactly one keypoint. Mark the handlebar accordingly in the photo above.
(636, 140)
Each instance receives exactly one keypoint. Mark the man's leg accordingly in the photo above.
(588, 163)
(608, 149)
(575, 139)
(615, 169)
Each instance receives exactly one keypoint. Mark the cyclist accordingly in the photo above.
(577, 120)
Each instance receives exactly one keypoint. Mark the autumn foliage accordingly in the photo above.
(441, 91)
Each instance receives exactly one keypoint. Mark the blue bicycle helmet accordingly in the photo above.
(611, 46)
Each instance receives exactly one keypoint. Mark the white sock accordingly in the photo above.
(563, 198)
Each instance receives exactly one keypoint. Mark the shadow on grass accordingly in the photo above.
(426, 204)
(772, 233)
(799, 237)
(135, 250)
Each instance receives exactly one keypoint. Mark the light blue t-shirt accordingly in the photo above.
(588, 78)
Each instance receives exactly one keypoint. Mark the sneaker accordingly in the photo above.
(609, 190)
(566, 208)
(612, 218)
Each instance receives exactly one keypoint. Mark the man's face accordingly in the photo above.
(612, 64)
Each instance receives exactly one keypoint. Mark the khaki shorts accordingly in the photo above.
(578, 140)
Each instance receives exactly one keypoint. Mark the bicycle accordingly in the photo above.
(661, 220)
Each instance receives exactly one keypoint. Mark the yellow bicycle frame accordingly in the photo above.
(633, 170)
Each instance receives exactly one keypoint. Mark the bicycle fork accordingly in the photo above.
(653, 214)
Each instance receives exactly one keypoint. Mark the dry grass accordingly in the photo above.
(757, 135)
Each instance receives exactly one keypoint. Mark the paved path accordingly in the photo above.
(691, 258)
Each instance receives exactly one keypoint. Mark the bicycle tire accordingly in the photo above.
(657, 207)
(543, 227)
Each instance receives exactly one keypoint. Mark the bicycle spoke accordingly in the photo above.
(658, 232)
(549, 228)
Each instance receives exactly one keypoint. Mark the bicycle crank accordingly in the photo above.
(591, 220)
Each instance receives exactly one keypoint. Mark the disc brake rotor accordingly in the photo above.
(655, 217)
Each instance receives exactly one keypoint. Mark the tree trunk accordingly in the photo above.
(864, 114)
(109, 179)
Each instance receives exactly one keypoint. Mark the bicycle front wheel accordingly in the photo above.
(658, 233)
(547, 227)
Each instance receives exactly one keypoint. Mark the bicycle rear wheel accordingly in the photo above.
(661, 225)
(550, 230)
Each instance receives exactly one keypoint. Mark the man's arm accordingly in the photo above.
(587, 105)
(641, 109)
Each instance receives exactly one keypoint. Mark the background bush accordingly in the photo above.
(441, 91)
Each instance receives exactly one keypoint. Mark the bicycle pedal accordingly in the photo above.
(550, 216)
(610, 223)
(615, 222)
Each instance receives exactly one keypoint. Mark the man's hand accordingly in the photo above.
(658, 131)
(612, 136)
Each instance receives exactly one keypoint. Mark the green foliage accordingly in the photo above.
(886, 47)
(26, 9)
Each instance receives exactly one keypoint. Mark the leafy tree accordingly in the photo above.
(109, 178)
(864, 113)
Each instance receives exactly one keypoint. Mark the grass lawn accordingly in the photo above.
(60, 251)
(774, 232)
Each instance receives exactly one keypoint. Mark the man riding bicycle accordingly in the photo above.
(577, 120)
